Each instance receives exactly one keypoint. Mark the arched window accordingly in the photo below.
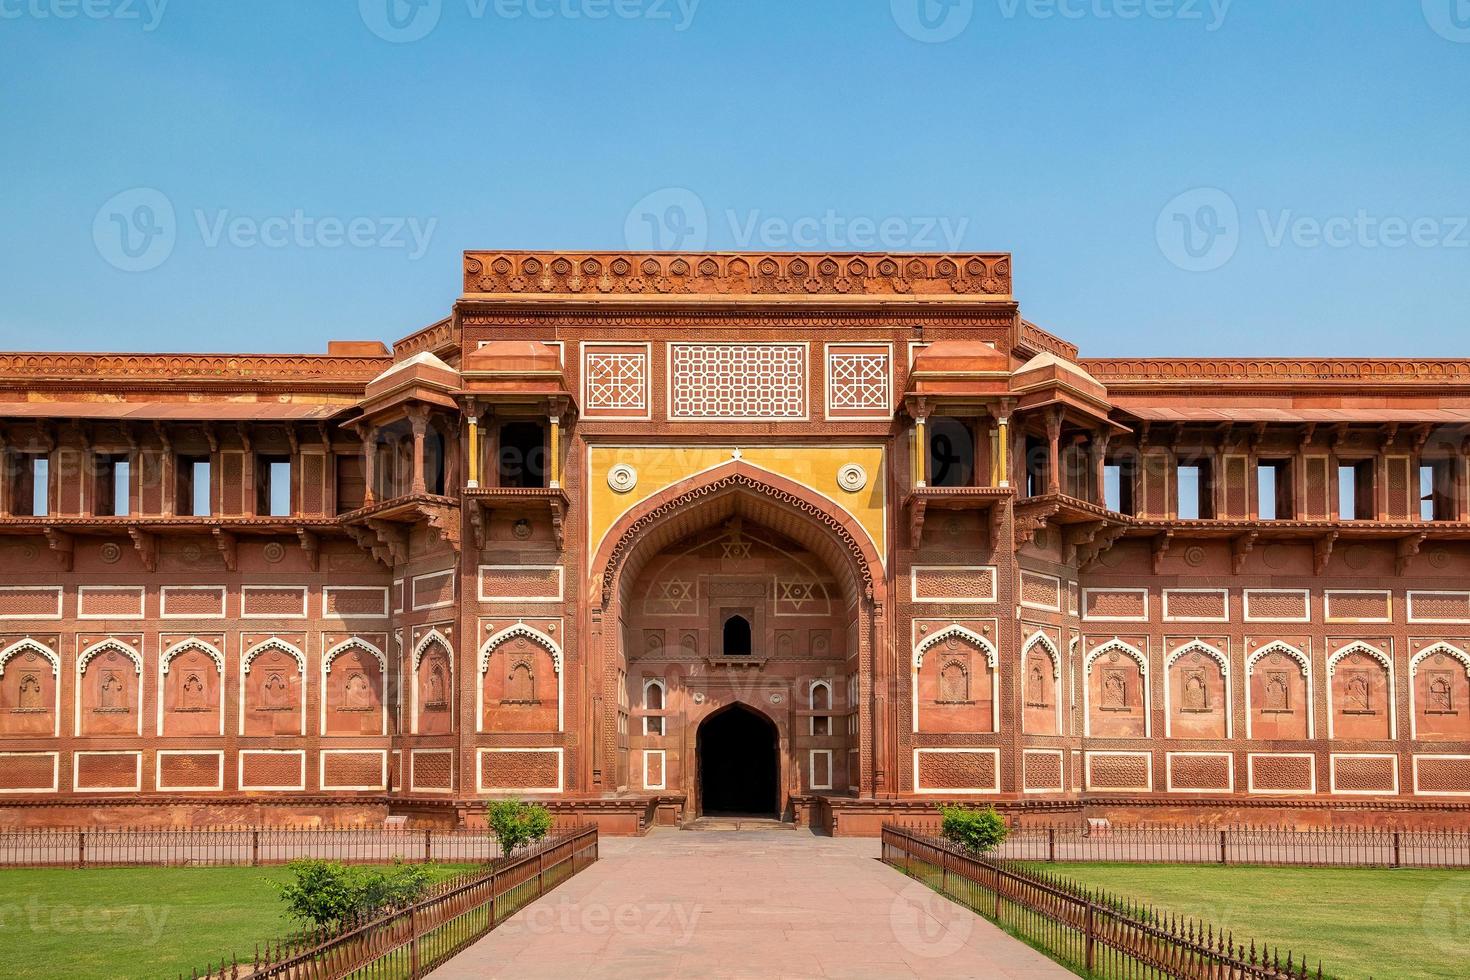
(653, 700)
(737, 637)
(821, 700)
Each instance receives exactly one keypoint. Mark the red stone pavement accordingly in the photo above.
(774, 903)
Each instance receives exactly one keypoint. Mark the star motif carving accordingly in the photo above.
(797, 593)
(736, 547)
(678, 593)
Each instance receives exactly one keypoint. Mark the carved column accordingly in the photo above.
(474, 451)
(1100, 442)
(1003, 450)
(370, 464)
(1054, 450)
(921, 453)
(418, 420)
(554, 463)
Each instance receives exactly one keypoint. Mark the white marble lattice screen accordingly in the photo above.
(737, 381)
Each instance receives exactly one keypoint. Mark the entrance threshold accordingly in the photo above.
(722, 821)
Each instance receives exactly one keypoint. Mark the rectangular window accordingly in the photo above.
(192, 491)
(1038, 461)
(1355, 491)
(1196, 490)
(1119, 476)
(351, 482)
(30, 485)
(1274, 499)
(273, 486)
(1437, 491)
(112, 486)
(521, 455)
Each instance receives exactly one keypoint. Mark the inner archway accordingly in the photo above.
(738, 763)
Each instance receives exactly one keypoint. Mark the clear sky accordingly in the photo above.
(1175, 177)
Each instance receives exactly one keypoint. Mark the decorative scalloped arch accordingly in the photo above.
(429, 638)
(1200, 646)
(510, 633)
(1279, 646)
(663, 691)
(1358, 646)
(274, 643)
(1040, 639)
(36, 647)
(1121, 647)
(926, 644)
(351, 643)
(109, 644)
(192, 643)
(1447, 649)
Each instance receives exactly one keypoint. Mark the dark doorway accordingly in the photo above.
(737, 763)
(737, 637)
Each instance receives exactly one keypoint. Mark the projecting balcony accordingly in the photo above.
(484, 501)
(382, 528)
(986, 500)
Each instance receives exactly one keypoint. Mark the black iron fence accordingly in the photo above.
(1092, 933)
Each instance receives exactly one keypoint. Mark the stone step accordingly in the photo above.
(738, 823)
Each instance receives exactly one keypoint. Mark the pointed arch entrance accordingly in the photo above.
(737, 752)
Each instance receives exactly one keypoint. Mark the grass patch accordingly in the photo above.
(127, 923)
(1361, 923)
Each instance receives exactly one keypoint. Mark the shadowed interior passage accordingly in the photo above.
(737, 763)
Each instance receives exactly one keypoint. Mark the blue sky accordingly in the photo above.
(1175, 177)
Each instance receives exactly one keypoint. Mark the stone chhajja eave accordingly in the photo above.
(84, 372)
(1209, 374)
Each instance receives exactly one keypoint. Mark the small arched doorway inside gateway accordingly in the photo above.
(738, 763)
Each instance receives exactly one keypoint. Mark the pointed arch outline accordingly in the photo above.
(1128, 649)
(1440, 646)
(1198, 645)
(274, 643)
(1302, 660)
(428, 639)
(20, 646)
(192, 643)
(991, 660)
(85, 658)
(1282, 647)
(360, 644)
(1363, 647)
(540, 639)
(1040, 639)
(964, 633)
(520, 630)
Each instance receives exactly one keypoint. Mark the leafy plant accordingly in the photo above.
(323, 892)
(974, 831)
(516, 824)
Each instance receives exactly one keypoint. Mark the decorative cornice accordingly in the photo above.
(1122, 372)
(767, 274)
(193, 368)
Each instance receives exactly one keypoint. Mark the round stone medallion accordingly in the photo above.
(191, 553)
(521, 529)
(274, 551)
(622, 478)
(111, 553)
(852, 478)
(1439, 558)
(1195, 556)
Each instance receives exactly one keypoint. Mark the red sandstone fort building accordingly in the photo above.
(648, 536)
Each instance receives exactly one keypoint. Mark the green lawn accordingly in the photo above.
(1383, 924)
(136, 922)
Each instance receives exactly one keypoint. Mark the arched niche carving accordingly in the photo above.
(1360, 693)
(1116, 692)
(109, 689)
(190, 689)
(1439, 694)
(354, 680)
(1278, 692)
(955, 689)
(1041, 667)
(433, 678)
(1197, 692)
(30, 686)
(521, 684)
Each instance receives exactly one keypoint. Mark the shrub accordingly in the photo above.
(323, 892)
(516, 824)
(974, 831)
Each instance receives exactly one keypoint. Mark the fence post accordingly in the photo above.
(944, 872)
(428, 845)
(541, 874)
(1051, 845)
(413, 940)
(1090, 954)
(1222, 847)
(81, 848)
(255, 847)
(1395, 848)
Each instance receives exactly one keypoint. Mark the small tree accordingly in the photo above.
(975, 831)
(516, 824)
(323, 892)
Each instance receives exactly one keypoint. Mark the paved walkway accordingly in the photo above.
(776, 903)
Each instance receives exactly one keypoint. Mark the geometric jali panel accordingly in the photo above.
(959, 771)
(858, 381)
(737, 381)
(520, 769)
(1442, 774)
(1282, 773)
(615, 381)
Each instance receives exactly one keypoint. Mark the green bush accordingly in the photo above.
(323, 892)
(974, 831)
(516, 824)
